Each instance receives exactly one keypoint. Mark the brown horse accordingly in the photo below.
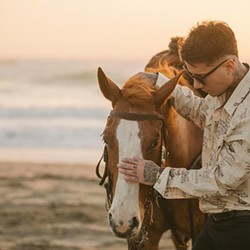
(137, 127)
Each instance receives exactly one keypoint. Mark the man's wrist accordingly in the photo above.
(159, 173)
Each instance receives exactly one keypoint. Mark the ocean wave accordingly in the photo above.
(51, 137)
(56, 104)
(86, 113)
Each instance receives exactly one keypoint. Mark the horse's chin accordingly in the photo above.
(129, 234)
(124, 231)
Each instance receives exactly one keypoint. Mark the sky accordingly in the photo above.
(110, 29)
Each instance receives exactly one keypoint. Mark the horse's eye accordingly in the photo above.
(154, 143)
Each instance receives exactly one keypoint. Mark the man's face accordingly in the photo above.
(214, 79)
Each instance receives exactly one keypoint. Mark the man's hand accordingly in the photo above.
(139, 170)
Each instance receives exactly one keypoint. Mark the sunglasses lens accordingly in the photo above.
(195, 77)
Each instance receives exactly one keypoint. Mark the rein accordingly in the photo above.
(106, 174)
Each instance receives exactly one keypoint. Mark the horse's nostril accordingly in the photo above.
(134, 222)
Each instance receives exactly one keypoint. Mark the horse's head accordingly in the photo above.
(128, 134)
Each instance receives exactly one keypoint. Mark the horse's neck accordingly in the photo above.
(185, 140)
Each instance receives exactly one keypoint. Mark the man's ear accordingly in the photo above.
(230, 65)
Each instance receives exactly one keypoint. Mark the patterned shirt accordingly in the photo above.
(223, 182)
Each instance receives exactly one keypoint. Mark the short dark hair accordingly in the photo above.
(207, 42)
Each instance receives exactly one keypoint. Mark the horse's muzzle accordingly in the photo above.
(122, 230)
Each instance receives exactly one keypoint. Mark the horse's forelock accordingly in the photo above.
(144, 78)
(139, 88)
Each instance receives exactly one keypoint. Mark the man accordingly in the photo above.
(222, 184)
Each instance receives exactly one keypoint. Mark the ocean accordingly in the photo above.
(53, 110)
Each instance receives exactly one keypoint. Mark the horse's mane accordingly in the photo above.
(139, 88)
(168, 62)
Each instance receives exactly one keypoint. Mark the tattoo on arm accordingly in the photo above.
(150, 172)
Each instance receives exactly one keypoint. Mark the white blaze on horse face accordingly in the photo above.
(125, 205)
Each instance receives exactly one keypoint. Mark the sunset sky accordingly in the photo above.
(111, 29)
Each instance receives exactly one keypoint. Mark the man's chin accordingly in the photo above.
(215, 94)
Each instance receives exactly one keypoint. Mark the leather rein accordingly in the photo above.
(152, 195)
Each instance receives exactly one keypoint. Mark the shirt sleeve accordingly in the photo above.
(189, 106)
(229, 172)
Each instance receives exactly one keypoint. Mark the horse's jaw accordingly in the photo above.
(124, 214)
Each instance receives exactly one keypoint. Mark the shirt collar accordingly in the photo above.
(239, 94)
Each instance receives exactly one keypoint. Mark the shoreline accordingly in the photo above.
(51, 155)
(32, 170)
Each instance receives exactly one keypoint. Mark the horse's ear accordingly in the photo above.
(109, 89)
(161, 94)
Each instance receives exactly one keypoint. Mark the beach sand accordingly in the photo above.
(55, 206)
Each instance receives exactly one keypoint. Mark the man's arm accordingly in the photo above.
(230, 171)
(189, 106)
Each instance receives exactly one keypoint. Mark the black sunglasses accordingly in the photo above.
(201, 77)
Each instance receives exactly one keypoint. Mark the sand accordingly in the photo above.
(55, 206)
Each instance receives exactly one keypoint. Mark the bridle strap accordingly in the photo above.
(136, 116)
(97, 170)
(106, 174)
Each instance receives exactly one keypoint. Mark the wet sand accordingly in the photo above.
(55, 207)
